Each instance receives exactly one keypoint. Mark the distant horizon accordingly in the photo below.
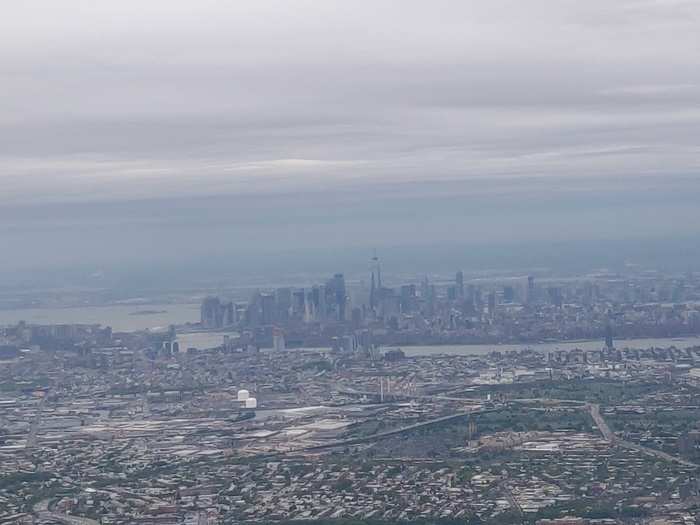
(138, 136)
(477, 260)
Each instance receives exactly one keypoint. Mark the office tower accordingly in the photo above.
(311, 305)
(609, 343)
(376, 267)
(508, 294)
(356, 318)
(390, 305)
(298, 304)
(492, 304)
(267, 303)
(216, 314)
(211, 313)
(283, 298)
(478, 299)
(452, 293)
(408, 298)
(229, 314)
(322, 303)
(530, 293)
(555, 296)
(459, 282)
(278, 342)
(424, 287)
(339, 296)
(315, 301)
(253, 312)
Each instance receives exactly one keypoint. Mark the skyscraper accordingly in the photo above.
(508, 294)
(268, 308)
(609, 343)
(337, 286)
(530, 291)
(492, 304)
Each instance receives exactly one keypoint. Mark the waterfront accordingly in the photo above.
(121, 317)
(479, 349)
(205, 340)
(135, 317)
(485, 349)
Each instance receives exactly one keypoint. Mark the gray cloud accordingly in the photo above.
(126, 101)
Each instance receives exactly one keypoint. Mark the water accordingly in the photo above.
(479, 349)
(125, 318)
(122, 318)
(202, 340)
(681, 342)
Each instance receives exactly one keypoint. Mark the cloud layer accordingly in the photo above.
(130, 101)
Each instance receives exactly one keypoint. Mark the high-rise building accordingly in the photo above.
(508, 294)
(211, 313)
(339, 295)
(408, 298)
(278, 342)
(298, 304)
(459, 282)
(609, 343)
(530, 292)
(452, 293)
(283, 298)
(555, 296)
(216, 314)
(492, 304)
(267, 303)
(322, 311)
(376, 268)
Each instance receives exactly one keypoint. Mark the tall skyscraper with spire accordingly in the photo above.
(377, 267)
(376, 282)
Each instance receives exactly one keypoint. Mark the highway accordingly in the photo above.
(70, 520)
(657, 453)
(511, 499)
(401, 430)
(41, 509)
(594, 411)
(36, 422)
(610, 436)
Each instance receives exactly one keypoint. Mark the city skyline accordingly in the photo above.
(387, 262)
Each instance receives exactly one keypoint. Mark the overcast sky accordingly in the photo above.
(374, 101)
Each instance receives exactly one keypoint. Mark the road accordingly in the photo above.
(70, 520)
(401, 430)
(657, 453)
(511, 498)
(594, 411)
(36, 422)
(42, 512)
(41, 509)
(610, 436)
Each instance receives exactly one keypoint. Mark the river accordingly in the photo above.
(130, 318)
(680, 342)
(122, 317)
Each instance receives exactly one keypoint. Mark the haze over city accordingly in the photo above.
(323, 262)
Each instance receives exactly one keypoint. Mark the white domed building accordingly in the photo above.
(243, 395)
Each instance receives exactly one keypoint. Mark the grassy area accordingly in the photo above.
(604, 392)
